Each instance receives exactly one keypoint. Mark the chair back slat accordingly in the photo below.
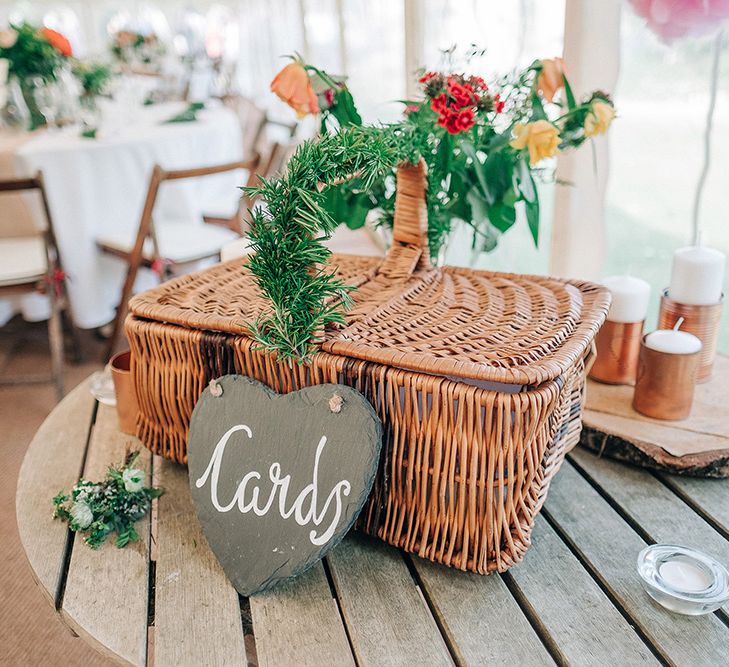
(20, 184)
(196, 172)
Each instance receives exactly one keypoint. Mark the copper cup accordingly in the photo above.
(664, 387)
(618, 347)
(126, 400)
(701, 321)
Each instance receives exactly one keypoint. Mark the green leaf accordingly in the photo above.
(537, 108)
(477, 168)
(444, 154)
(502, 215)
(479, 207)
(532, 216)
(357, 214)
(525, 181)
(344, 109)
(569, 95)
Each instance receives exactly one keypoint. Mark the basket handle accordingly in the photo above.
(409, 251)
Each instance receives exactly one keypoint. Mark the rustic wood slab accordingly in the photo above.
(575, 599)
(696, 446)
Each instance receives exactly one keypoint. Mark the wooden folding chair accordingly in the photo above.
(32, 264)
(159, 246)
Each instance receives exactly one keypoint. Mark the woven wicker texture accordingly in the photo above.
(466, 463)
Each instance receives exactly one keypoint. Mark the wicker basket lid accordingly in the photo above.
(453, 322)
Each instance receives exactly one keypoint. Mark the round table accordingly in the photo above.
(98, 185)
(165, 598)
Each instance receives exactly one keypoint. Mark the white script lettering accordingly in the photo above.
(304, 513)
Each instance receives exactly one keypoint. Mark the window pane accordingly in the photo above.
(656, 147)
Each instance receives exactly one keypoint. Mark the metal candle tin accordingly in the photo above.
(701, 321)
(664, 387)
(618, 347)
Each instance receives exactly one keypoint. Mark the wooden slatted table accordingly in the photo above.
(576, 598)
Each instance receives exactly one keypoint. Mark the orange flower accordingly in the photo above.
(57, 41)
(550, 78)
(292, 85)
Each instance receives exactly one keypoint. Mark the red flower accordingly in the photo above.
(457, 121)
(411, 108)
(463, 94)
(479, 83)
(427, 77)
(498, 103)
(57, 41)
(439, 104)
(329, 96)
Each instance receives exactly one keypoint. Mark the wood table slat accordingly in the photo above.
(197, 617)
(298, 623)
(708, 496)
(482, 621)
(611, 547)
(387, 618)
(565, 597)
(658, 511)
(106, 589)
(52, 464)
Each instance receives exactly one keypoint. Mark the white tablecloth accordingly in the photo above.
(98, 185)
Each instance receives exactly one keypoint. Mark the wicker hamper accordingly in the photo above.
(478, 379)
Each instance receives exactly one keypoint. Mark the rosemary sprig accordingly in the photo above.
(290, 261)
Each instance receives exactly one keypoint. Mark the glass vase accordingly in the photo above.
(14, 112)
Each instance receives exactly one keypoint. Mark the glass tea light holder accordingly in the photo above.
(682, 579)
(667, 367)
(618, 341)
(695, 294)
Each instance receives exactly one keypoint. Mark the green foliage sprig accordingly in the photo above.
(115, 504)
(290, 260)
(93, 76)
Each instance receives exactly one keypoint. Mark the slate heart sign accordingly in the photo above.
(278, 480)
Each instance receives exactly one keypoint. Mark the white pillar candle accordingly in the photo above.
(673, 341)
(630, 298)
(697, 276)
(685, 576)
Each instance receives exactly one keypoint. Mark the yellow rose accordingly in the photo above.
(598, 119)
(540, 137)
(550, 78)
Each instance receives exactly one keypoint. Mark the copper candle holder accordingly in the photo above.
(126, 398)
(664, 387)
(618, 347)
(701, 321)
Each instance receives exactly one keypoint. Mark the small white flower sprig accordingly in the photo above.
(97, 509)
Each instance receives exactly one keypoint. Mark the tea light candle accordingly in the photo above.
(685, 576)
(672, 341)
(697, 276)
(630, 298)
